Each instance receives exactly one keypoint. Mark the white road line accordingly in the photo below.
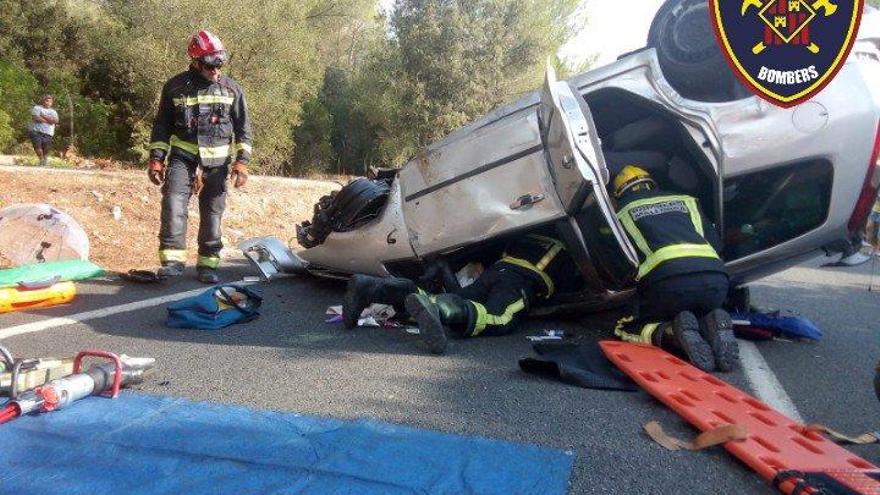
(764, 383)
(39, 326)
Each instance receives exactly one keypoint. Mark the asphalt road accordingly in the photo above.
(289, 359)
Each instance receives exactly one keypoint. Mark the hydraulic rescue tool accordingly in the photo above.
(27, 373)
(106, 378)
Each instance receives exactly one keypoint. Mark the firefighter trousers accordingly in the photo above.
(660, 302)
(496, 302)
(180, 179)
(493, 305)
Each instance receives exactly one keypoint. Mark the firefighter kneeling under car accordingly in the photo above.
(532, 268)
(682, 282)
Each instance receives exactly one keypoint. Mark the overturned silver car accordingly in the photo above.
(779, 184)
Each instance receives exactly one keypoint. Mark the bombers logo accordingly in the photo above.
(786, 51)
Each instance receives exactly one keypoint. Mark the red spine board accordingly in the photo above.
(775, 442)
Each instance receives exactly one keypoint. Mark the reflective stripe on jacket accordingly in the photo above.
(670, 233)
(202, 118)
(544, 260)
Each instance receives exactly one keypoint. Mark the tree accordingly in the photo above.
(450, 61)
(276, 49)
(331, 86)
(46, 46)
(273, 52)
(313, 149)
(345, 144)
(18, 88)
(7, 133)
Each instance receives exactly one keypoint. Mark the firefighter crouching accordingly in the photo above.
(202, 124)
(532, 267)
(682, 281)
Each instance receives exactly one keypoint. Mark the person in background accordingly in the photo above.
(42, 127)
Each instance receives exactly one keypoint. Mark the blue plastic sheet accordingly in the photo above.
(792, 327)
(150, 444)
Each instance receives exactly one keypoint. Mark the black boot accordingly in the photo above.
(431, 328)
(363, 290)
(455, 313)
(717, 329)
(170, 269)
(683, 335)
(207, 275)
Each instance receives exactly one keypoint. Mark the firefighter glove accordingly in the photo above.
(156, 172)
(239, 174)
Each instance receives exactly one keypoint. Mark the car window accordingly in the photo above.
(766, 208)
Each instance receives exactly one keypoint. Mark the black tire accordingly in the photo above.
(357, 203)
(688, 53)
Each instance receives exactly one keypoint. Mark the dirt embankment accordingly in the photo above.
(265, 206)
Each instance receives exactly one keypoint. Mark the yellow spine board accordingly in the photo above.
(12, 299)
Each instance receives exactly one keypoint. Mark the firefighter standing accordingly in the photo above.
(531, 268)
(201, 112)
(681, 276)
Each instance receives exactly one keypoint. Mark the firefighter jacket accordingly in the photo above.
(200, 119)
(542, 259)
(671, 234)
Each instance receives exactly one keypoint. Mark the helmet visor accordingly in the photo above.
(216, 59)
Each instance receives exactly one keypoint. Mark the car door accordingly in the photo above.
(538, 163)
(487, 180)
(577, 167)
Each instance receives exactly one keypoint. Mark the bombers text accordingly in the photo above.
(798, 76)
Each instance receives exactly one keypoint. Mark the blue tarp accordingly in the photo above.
(792, 327)
(151, 444)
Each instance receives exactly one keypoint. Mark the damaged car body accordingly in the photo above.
(779, 184)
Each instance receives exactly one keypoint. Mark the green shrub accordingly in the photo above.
(94, 134)
(18, 90)
(7, 133)
(20, 148)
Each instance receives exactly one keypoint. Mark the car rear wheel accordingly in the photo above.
(688, 52)
(360, 201)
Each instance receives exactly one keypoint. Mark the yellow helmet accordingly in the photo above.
(628, 177)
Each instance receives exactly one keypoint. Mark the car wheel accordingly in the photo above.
(739, 299)
(355, 204)
(688, 53)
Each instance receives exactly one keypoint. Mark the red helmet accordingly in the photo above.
(208, 48)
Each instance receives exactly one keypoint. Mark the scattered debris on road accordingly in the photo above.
(375, 315)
